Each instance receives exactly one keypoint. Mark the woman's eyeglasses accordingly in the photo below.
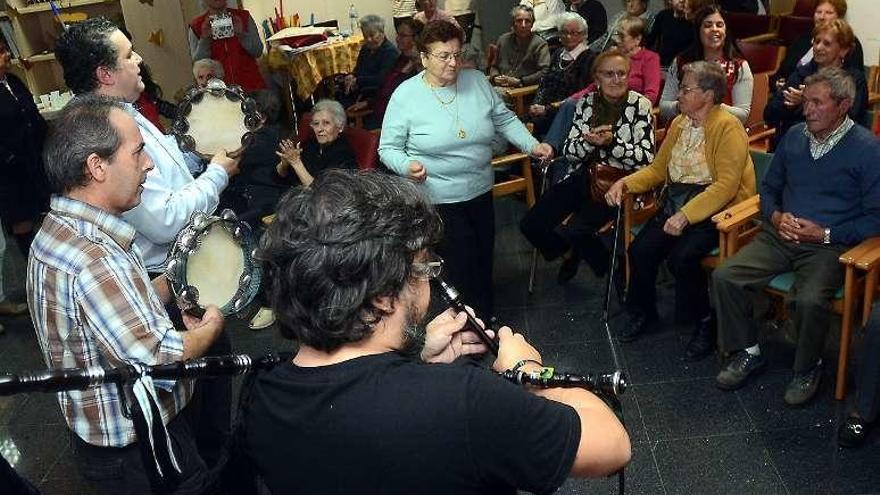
(613, 74)
(447, 57)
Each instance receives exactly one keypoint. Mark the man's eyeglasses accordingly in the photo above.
(613, 74)
(447, 57)
(427, 270)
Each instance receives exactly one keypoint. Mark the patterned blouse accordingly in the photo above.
(633, 144)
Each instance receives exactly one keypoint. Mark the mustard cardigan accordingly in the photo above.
(727, 154)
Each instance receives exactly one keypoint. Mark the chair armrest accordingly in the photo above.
(738, 213)
(865, 255)
(509, 159)
(523, 91)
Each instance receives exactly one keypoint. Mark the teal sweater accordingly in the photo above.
(418, 127)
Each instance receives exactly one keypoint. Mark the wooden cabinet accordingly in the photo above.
(35, 31)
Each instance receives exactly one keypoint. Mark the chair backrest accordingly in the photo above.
(804, 8)
(761, 160)
(467, 21)
(760, 56)
(793, 27)
(365, 144)
(760, 96)
(330, 86)
(742, 25)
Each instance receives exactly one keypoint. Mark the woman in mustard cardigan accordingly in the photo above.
(704, 166)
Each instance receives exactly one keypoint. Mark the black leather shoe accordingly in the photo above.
(568, 269)
(852, 432)
(702, 341)
(636, 325)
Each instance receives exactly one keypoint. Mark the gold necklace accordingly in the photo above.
(445, 106)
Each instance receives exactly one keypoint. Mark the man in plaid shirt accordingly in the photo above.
(93, 304)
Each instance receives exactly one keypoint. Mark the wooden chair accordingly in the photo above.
(491, 55)
(519, 181)
(789, 29)
(872, 72)
(758, 130)
(521, 98)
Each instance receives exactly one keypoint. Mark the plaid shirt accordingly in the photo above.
(92, 304)
(818, 148)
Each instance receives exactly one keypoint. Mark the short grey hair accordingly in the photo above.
(571, 17)
(372, 23)
(522, 8)
(710, 77)
(838, 80)
(334, 108)
(83, 129)
(209, 63)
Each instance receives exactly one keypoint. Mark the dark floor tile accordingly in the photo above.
(38, 409)
(810, 461)
(763, 401)
(658, 357)
(686, 409)
(640, 477)
(63, 478)
(33, 449)
(566, 324)
(730, 464)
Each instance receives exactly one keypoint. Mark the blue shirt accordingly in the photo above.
(418, 126)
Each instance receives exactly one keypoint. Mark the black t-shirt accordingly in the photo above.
(669, 36)
(387, 425)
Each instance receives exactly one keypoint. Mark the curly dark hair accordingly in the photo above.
(338, 244)
(438, 31)
(83, 48)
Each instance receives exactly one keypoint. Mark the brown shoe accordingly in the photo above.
(9, 308)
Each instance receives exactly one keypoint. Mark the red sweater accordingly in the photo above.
(240, 68)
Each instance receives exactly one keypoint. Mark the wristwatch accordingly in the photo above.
(826, 239)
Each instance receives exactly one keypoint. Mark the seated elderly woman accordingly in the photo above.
(704, 166)
(612, 127)
(325, 151)
(205, 69)
(375, 60)
(408, 64)
(712, 43)
(569, 70)
(832, 41)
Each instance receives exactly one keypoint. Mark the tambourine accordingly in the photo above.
(216, 118)
(212, 262)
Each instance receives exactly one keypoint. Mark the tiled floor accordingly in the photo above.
(688, 437)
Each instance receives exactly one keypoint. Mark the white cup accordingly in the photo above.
(44, 99)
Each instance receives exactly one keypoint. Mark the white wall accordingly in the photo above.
(864, 16)
(323, 9)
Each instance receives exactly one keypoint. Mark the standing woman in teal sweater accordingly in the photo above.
(438, 131)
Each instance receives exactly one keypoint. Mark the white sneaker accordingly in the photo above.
(264, 318)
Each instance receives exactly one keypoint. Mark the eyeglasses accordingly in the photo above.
(687, 89)
(447, 57)
(613, 74)
(427, 270)
(571, 33)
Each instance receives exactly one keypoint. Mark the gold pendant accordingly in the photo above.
(461, 134)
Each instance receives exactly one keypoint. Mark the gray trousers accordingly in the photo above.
(867, 395)
(817, 276)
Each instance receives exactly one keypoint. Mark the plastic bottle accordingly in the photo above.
(352, 18)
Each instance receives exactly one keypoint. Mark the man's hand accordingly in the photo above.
(417, 171)
(230, 165)
(512, 347)
(445, 341)
(675, 224)
(542, 151)
(795, 229)
(615, 193)
(212, 317)
(201, 332)
(160, 285)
